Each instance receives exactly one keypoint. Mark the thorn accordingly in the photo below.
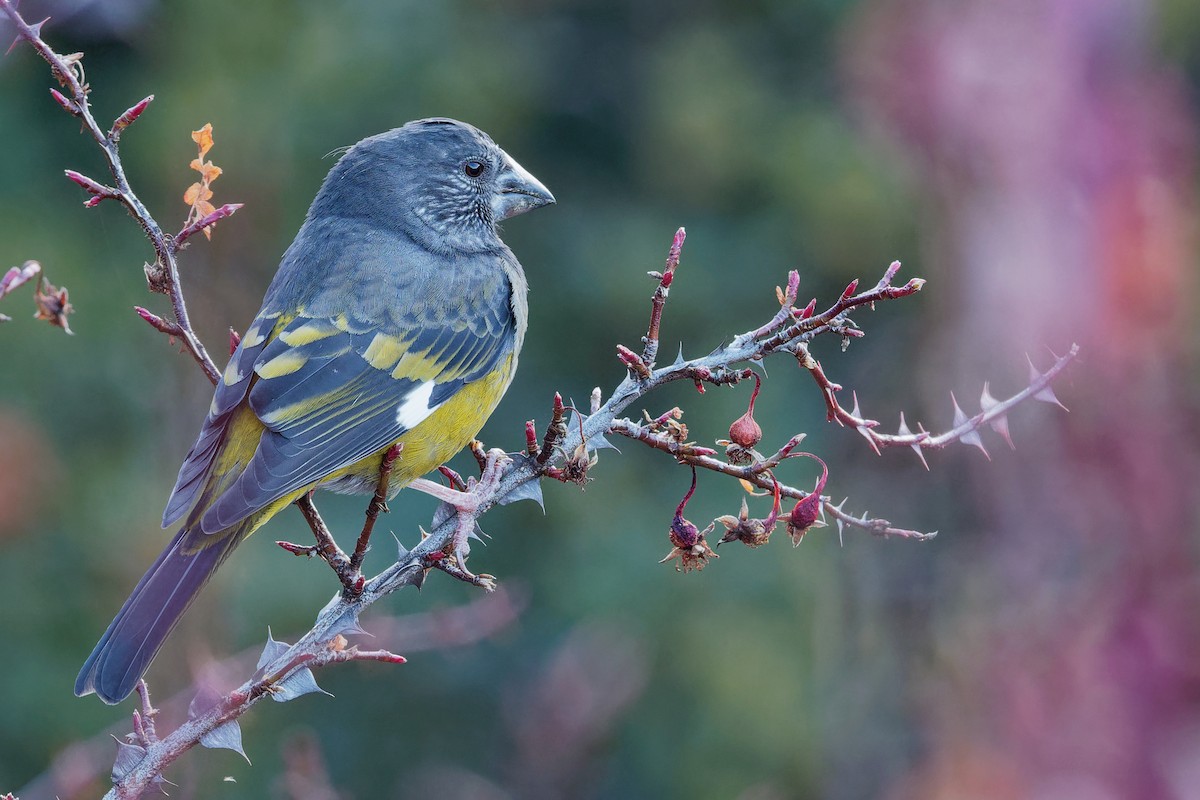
(235, 339)
(840, 524)
(906, 431)
(1000, 423)
(865, 427)
(972, 435)
(1046, 395)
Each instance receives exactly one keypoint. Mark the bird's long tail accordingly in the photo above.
(152, 611)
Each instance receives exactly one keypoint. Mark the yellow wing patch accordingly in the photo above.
(280, 365)
(232, 374)
(419, 367)
(307, 334)
(384, 351)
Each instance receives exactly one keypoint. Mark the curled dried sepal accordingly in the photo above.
(690, 546)
(581, 460)
(747, 530)
(807, 512)
(53, 305)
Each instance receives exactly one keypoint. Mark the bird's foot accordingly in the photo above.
(466, 506)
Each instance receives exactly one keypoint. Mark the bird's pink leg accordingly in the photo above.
(468, 504)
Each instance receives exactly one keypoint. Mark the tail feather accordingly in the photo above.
(150, 614)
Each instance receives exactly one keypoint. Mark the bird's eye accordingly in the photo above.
(474, 168)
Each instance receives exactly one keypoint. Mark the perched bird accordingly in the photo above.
(396, 316)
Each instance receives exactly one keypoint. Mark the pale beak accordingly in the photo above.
(517, 191)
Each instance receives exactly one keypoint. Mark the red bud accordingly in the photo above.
(808, 510)
(67, 104)
(531, 442)
(688, 542)
(744, 431)
(125, 120)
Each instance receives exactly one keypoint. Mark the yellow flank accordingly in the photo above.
(384, 351)
(442, 434)
(280, 365)
(307, 334)
(241, 440)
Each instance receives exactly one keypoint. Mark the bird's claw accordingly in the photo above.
(467, 506)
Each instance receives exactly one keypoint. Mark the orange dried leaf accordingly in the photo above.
(204, 138)
(211, 172)
(192, 194)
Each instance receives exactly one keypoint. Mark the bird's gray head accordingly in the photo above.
(443, 182)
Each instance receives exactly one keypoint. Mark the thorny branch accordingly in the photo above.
(439, 629)
(520, 479)
(566, 453)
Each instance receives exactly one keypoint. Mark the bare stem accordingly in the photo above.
(68, 70)
(659, 299)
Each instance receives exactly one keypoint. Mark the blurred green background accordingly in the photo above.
(1035, 160)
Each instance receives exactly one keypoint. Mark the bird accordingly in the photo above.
(395, 318)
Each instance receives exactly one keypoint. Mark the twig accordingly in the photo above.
(328, 549)
(659, 299)
(964, 429)
(164, 274)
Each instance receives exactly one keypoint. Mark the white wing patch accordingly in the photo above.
(414, 408)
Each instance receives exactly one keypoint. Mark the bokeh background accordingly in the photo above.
(1035, 160)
